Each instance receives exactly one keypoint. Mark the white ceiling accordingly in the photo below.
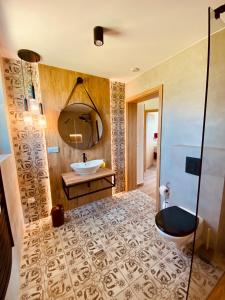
(141, 33)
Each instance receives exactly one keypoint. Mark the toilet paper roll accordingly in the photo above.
(163, 190)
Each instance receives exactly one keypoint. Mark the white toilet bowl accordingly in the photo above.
(181, 241)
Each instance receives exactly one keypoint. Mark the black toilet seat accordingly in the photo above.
(176, 221)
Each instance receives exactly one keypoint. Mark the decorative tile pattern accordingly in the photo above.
(28, 142)
(117, 107)
(109, 249)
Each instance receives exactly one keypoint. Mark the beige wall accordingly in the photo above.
(183, 78)
(152, 104)
(12, 194)
(151, 128)
(140, 142)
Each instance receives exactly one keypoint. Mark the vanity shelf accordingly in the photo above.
(72, 179)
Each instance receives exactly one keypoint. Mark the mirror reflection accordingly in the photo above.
(80, 126)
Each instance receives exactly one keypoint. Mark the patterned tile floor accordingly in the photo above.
(108, 249)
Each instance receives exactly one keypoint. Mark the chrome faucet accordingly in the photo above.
(84, 157)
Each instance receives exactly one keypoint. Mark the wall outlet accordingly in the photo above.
(54, 149)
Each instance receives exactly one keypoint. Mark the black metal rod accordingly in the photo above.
(41, 108)
(202, 148)
(67, 188)
(26, 104)
(33, 91)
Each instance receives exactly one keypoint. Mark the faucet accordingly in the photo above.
(84, 157)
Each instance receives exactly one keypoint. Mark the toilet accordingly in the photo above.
(177, 224)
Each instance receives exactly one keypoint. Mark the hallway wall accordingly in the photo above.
(151, 128)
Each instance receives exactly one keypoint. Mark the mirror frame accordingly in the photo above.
(93, 108)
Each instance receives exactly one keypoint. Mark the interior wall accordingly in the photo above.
(183, 79)
(28, 142)
(13, 201)
(151, 128)
(140, 142)
(117, 118)
(56, 85)
(152, 104)
(12, 193)
(4, 132)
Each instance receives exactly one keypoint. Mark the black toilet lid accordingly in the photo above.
(176, 221)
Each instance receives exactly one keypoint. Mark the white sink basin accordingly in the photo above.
(87, 168)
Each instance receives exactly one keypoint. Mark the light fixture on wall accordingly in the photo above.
(76, 138)
(98, 36)
(33, 109)
(42, 122)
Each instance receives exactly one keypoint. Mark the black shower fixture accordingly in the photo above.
(219, 10)
(98, 36)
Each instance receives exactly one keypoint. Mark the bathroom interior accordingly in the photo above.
(81, 217)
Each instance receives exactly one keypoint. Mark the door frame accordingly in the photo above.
(131, 137)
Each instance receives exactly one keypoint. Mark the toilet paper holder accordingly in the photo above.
(164, 191)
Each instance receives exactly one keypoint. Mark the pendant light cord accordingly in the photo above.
(21, 64)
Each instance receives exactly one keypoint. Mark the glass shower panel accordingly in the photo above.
(208, 261)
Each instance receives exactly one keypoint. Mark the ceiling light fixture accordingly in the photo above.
(135, 69)
(98, 36)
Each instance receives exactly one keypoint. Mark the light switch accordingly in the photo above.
(54, 149)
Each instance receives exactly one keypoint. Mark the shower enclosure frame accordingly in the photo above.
(218, 11)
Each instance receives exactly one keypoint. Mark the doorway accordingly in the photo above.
(150, 166)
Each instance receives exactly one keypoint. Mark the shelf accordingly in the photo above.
(73, 179)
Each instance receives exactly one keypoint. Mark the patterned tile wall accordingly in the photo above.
(117, 105)
(28, 141)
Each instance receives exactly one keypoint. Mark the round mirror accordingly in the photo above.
(80, 126)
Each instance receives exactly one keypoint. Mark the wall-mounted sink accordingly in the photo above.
(88, 167)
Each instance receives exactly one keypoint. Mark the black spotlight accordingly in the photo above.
(98, 36)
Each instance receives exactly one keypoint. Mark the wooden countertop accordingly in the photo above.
(73, 178)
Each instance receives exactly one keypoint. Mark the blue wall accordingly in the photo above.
(4, 133)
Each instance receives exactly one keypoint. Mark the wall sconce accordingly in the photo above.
(98, 36)
(32, 107)
(28, 118)
(42, 122)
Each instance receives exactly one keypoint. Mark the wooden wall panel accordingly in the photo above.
(56, 84)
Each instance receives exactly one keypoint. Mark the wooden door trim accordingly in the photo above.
(131, 149)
